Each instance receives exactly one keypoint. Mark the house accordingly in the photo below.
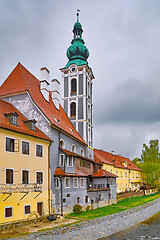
(24, 168)
(71, 155)
(129, 175)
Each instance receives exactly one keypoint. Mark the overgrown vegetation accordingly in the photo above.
(115, 208)
(77, 208)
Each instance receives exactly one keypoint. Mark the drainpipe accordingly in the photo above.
(61, 196)
(49, 180)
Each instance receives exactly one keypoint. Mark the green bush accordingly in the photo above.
(77, 208)
(87, 208)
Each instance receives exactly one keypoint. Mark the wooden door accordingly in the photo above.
(40, 208)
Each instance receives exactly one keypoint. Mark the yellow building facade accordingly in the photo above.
(24, 172)
(129, 176)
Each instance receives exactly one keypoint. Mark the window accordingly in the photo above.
(9, 176)
(117, 173)
(39, 178)
(39, 150)
(61, 160)
(67, 182)
(86, 199)
(25, 176)
(70, 161)
(25, 148)
(121, 174)
(133, 175)
(78, 199)
(126, 174)
(81, 182)
(10, 144)
(57, 183)
(14, 119)
(27, 209)
(73, 86)
(82, 152)
(68, 195)
(75, 182)
(61, 144)
(73, 109)
(73, 148)
(8, 212)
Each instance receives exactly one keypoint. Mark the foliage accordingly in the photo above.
(137, 162)
(87, 208)
(115, 208)
(77, 208)
(151, 163)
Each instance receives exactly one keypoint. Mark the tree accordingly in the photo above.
(137, 162)
(151, 163)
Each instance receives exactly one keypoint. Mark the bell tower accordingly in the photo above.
(78, 80)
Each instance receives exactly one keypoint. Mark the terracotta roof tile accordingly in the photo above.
(103, 173)
(21, 80)
(115, 160)
(6, 108)
(60, 172)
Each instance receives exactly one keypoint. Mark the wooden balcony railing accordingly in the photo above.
(20, 188)
(98, 187)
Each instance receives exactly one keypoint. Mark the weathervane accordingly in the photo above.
(78, 14)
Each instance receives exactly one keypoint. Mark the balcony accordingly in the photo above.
(20, 188)
(98, 187)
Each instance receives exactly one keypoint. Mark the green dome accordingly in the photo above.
(77, 52)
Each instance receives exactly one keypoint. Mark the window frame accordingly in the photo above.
(81, 184)
(73, 111)
(57, 180)
(27, 206)
(68, 161)
(41, 148)
(10, 144)
(75, 186)
(60, 155)
(5, 211)
(6, 175)
(22, 176)
(23, 141)
(73, 86)
(62, 143)
(65, 182)
(37, 177)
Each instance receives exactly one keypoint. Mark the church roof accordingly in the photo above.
(21, 127)
(114, 160)
(20, 81)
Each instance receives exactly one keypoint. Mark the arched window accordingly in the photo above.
(82, 152)
(73, 86)
(73, 148)
(56, 182)
(61, 143)
(73, 109)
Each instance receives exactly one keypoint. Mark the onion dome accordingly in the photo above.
(77, 53)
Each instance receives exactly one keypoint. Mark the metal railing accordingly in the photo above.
(98, 186)
(20, 188)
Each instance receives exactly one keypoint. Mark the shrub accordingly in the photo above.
(87, 208)
(77, 208)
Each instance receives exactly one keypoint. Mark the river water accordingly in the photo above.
(149, 229)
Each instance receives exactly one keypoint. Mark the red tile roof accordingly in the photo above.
(115, 160)
(6, 107)
(21, 80)
(79, 156)
(103, 173)
(60, 172)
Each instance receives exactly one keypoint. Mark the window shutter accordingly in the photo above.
(16, 145)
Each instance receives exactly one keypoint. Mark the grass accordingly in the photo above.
(115, 208)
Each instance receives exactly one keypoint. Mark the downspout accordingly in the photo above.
(49, 180)
(61, 196)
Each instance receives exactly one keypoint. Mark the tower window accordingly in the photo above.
(73, 109)
(73, 86)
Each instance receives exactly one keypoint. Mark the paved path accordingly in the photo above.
(101, 227)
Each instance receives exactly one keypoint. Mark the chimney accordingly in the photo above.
(44, 87)
(55, 92)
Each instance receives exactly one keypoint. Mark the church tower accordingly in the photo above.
(78, 81)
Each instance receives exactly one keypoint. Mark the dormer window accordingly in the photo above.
(31, 124)
(12, 117)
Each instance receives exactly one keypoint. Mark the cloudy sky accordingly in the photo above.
(123, 38)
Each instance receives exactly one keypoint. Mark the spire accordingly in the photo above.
(77, 53)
